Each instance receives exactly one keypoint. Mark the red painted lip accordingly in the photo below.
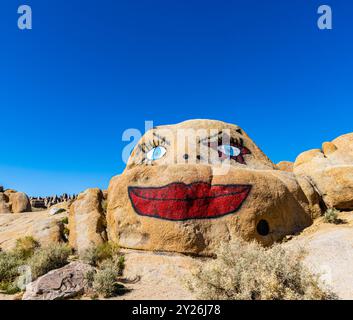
(180, 201)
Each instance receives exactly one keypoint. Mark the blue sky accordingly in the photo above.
(91, 69)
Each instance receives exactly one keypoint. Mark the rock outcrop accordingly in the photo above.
(87, 223)
(48, 202)
(12, 201)
(66, 282)
(42, 227)
(330, 170)
(182, 197)
(285, 166)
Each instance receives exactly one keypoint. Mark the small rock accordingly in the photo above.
(66, 282)
(54, 211)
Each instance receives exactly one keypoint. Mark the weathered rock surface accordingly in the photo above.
(159, 276)
(66, 282)
(171, 204)
(285, 166)
(330, 170)
(328, 253)
(20, 202)
(87, 220)
(12, 201)
(42, 227)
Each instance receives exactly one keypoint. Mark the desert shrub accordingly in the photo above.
(331, 216)
(116, 264)
(9, 287)
(25, 247)
(48, 258)
(105, 280)
(96, 254)
(9, 271)
(65, 220)
(104, 204)
(247, 271)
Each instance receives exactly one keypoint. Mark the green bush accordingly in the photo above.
(331, 216)
(48, 258)
(105, 280)
(96, 254)
(28, 252)
(9, 271)
(65, 220)
(9, 287)
(109, 265)
(247, 271)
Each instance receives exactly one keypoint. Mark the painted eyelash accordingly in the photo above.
(237, 142)
(146, 147)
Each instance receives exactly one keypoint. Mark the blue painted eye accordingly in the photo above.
(156, 153)
(229, 150)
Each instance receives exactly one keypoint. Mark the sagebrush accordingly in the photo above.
(331, 216)
(96, 254)
(28, 252)
(49, 258)
(109, 263)
(247, 271)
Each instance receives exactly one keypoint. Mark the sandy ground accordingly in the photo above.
(329, 253)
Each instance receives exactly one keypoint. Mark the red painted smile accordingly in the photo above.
(180, 201)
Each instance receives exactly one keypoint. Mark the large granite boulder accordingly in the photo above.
(190, 186)
(330, 170)
(87, 220)
(42, 227)
(12, 201)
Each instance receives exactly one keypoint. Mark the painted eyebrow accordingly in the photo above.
(217, 135)
(164, 139)
(210, 137)
(220, 133)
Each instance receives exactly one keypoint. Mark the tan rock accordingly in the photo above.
(42, 227)
(12, 201)
(19, 202)
(87, 220)
(330, 171)
(169, 204)
(286, 166)
(328, 148)
(66, 282)
(4, 203)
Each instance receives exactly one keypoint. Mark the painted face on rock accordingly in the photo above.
(178, 201)
(190, 186)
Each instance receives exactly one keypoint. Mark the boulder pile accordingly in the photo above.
(47, 202)
(12, 201)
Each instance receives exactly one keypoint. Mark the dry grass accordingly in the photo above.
(247, 271)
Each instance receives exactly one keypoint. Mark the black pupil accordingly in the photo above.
(263, 228)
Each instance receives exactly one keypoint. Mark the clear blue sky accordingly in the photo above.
(91, 69)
